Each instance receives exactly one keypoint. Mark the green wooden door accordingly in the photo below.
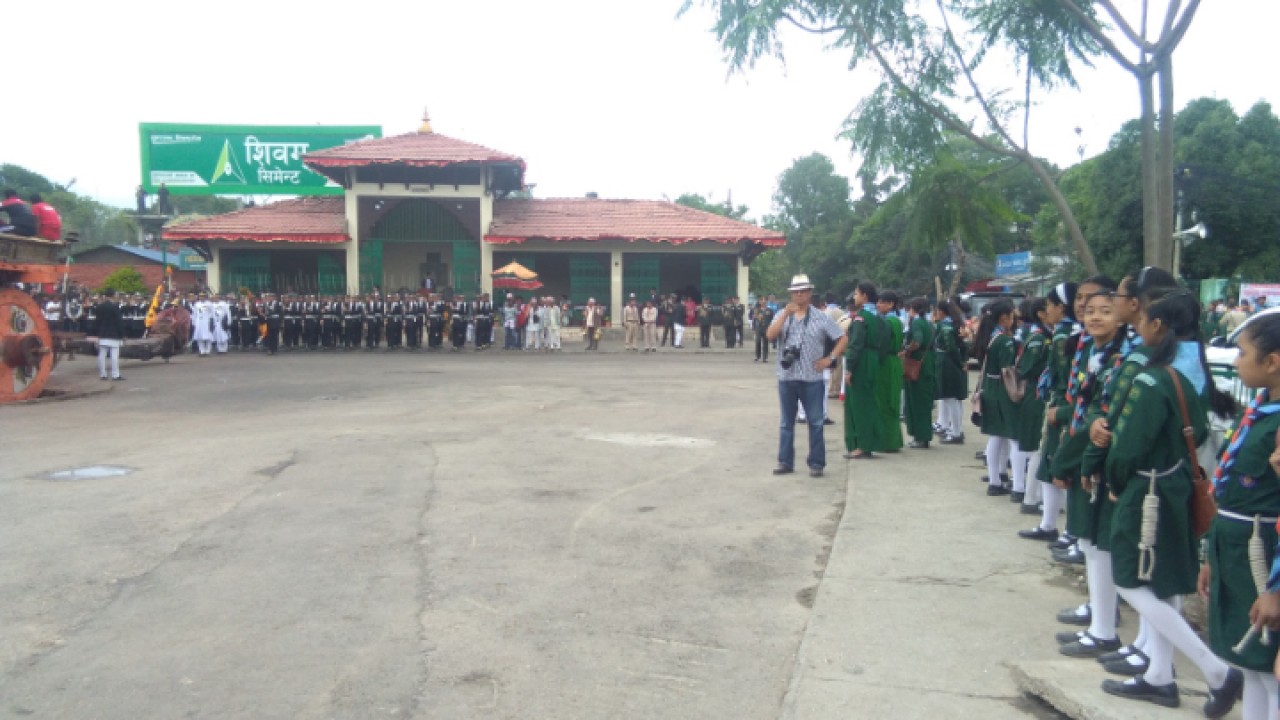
(246, 269)
(639, 274)
(588, 278)
(718, 281)
(331, 275)
(370, 264)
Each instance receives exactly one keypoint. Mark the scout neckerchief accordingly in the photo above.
(1114, 351)
(1035, 330)
(1044, 385)
(1077, 377)
(1123, 354)
(1258, 409)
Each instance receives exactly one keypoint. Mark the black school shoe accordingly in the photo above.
(1017, 497)
(1037, 533)
(1072, 616)
(1063, 542)
(1034, 510)
(1004, 478)
(1089, 646)
(1139, 689)
(918, 444)
(1071, 556)
(1224, 698)
(997, 490)
(1124, 667)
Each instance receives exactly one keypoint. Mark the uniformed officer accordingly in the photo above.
(704, 315)
(726, 321)
(352, 322)
(292, 328)
(311, 322)
(375, 308)
(484, 321)
(273, 315)
(460, 316)
(395, 321)
(415, 315)
(435, 321)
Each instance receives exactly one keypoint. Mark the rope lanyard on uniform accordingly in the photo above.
(1147, 534)
(1109, 387)
(1258, 569)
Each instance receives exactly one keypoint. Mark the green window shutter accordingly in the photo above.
(718, 281)
(639, 273)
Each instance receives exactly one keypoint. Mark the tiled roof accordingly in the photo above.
(154, 256)
(416, 149)
(515, 221)
(304, 220)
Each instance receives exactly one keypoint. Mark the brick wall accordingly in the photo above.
(92, 275)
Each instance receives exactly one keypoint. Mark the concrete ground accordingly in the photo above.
(494, 535)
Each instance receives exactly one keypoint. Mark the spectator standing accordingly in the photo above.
(110, 335)
(631, 323)
(533, 326)
(551, 322)
(592, 324)
(761, 318)
(1232, 319)
(649, 324)
(667, 316)
(803, 332)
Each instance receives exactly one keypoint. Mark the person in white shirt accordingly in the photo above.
(533, 328)
(221, 323)
(649, 325)
(551, 322)
(203, 323)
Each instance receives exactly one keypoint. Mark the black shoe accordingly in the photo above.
(1004, 478)
(1069, 557)
(1123, 653)
(997, 490)
(1031, 509)
(1139, 689)
(1017, 497)
(919, 444)
(828, 421)
(783, 470)
(1072, 616)
(980, 455)
(1089, 646)
(815, 472)
(953, 439)
(118, 378)
(1066, 637)
(1037, 533)
(1063, 542)
(1124, 667)
(1224, 698)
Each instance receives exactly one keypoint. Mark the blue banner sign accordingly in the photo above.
(1011, 264)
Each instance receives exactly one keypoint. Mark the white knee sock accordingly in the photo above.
(1019, 461)
(1259, 696)
(1054, 498)
(955, 411)
(1102, 591)
(997, 454)
(1035, 488)
(1169, 628)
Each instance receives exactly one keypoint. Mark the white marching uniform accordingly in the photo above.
(203, 324)
(221, 321)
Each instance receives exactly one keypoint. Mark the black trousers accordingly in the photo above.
(458, 332)
(272, 340)
(705, 333)
(372, 333)
(395, 333)
(413, 332)
(248, 334)
(292, 332)
(484, 330)
(668, 331)
(311, 332)
(233, 333)
(351, 334)
(730, 336)
(435, 333)
(762, 346)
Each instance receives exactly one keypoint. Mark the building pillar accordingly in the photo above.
(744, 280)
(615, 287)
(486, 267)
(213, 270)
(486, 221)
(352, 247)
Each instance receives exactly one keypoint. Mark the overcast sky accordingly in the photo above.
(620, 97)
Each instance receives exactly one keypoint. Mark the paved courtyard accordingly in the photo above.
(406, 535)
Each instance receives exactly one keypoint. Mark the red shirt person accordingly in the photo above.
(48, 221)
(21, 220)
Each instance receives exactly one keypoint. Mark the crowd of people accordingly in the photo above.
(1099, 401)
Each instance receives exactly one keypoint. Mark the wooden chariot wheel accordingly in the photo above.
(26, 347)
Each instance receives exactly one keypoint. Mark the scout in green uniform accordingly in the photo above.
(862, 426)
(1247, 488)
(999, 413)
(1148, 455)
(1033, 358)
(950, 355)
(919, 392)
(1051, 388)
(889, 384)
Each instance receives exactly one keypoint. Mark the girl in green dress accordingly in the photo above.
(1033, 358)
(950, 355)
(889, 385)
(1247, 489)
(997, 351)
(861, 374)
(1153, 564)
(919, 392)
(1051, 389)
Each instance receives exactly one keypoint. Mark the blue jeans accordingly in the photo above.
(512, 339)
(791, 393)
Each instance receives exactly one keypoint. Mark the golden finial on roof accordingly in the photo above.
(426, 123)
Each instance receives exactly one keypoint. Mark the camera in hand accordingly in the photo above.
(789, 355)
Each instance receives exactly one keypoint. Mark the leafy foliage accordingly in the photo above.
(126, 279)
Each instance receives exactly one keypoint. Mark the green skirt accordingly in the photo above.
(1030, 428)
(1232, 592)
(1176, 565)
(889, 400)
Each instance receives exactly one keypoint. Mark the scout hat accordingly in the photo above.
(800, 282)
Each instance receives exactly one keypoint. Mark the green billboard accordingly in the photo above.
(240, 159)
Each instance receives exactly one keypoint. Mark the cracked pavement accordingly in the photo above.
(401, 535)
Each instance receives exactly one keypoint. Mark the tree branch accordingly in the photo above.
(813, 30)
(1170, 41)
(938, 113)
(964, 64)
(1097, 33)
(1125, 27)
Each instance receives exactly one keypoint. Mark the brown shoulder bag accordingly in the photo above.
(1203, 506)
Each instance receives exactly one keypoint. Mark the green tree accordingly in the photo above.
(904, 122)
(126, 279)
(813, 208)
(725, 208)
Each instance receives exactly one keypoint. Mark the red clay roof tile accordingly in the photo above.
(416, 149)
(304, 220)
(515, 221)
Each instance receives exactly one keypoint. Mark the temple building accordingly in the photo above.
(423, 208)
